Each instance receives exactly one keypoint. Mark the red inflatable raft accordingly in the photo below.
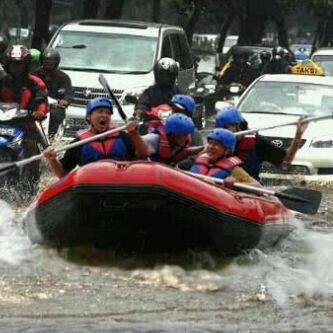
(149, 207)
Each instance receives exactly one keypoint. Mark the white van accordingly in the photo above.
(125, 52)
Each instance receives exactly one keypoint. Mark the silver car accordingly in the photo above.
(125, 52)
(274, 99)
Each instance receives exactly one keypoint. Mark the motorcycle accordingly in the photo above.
(20, 132)
(205, 97)
(157, 116)
(149, 121)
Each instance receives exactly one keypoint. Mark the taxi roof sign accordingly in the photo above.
(307, 67)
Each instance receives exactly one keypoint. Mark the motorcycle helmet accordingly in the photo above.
(179, 124)
(17, 53)
(35, 55)
(50, 59)
(224, 137)
(265, 56)
(228, 116)
(184, 102)
(166, 72)
(278, 52)
(99, 102)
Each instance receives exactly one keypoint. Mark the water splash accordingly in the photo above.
(178, 278)
(301, 265)
(14, 245)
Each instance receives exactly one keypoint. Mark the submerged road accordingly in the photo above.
(289, 288)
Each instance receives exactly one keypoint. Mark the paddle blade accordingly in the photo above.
(7, 167)
(301, 199)
(104, 83)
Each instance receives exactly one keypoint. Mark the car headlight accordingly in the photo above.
(322, 142)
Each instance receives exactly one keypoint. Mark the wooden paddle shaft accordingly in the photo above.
(306, 120)
(71, 145)
(240, 186)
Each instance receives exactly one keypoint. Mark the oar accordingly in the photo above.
(295, 198)
(103, 81)
(305, 120)
(11, 166)
(255, 130)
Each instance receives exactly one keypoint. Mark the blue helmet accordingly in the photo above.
(227, 116)
(224, 137)
(99, 102)
(179, 124)
(184, 102)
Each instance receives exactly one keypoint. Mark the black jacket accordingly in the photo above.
(156, 95)
(55, 80)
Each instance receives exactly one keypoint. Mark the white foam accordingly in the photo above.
(14, 245)
(302, 264)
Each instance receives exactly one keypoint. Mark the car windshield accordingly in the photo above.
(288, 98)
(326, 63)
(101, 52)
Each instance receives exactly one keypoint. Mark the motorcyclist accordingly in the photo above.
(58, 84)
(30, 93)
(238, 70)
(265, 59)
(254, 149)
(279, 63)
(217, 160)
(35, 59)
(21, 87)
(120, 146)
(165, 73)
(171, 143)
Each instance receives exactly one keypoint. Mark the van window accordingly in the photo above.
(166, 48)
(181, 51)
(114, 53)
(186, 56)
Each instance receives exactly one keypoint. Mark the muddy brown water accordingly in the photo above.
(286, 289)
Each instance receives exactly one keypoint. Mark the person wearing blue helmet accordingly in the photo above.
(185, 104)
(228, 117)
(217, 160)
(254, 149)
(120, 146)
(171, 143)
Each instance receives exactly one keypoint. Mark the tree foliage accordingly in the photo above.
(247, 18)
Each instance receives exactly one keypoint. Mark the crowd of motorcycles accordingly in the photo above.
(14, 123)
(208, 92)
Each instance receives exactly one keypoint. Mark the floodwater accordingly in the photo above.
(286, 289)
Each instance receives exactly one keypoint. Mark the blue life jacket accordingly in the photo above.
(112, 147)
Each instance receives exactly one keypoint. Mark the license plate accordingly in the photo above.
(7, 131)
